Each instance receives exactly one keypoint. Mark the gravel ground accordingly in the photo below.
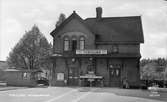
(162, 96)
(5, 88)
(118, 91)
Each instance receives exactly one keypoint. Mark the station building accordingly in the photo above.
(99, 51)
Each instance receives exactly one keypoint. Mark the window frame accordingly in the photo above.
(66, 40)
(82, 41)
(25, 75)
(115, 49)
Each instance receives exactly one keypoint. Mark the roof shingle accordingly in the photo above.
(117, 29)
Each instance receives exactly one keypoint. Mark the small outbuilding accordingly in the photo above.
(21, 77)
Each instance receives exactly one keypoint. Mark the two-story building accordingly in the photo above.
(97, 51)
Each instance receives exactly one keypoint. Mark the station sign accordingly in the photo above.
(91, 51)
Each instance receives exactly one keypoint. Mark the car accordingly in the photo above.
(43, 82)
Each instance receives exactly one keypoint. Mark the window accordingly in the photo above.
(60, 76)
(112, 72)
(117, 72)
(82, 43)
(74, 44)
(66, 43)
(115, 49)
(25, 75)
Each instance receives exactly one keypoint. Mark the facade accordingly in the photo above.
(100, 51)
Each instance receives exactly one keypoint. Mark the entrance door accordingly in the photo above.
(115, 76)
(73, 76)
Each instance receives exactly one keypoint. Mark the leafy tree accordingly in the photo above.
(153, 68)
(62, 17)
(159, 61)
(31, 52)
(1, 75)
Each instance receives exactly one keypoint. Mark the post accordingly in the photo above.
(164, 79)
(90, 83)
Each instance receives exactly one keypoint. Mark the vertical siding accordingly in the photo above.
(84, 64)
(132, 71)
(15, 78)
(129, 48)
(123, 48)
(101, 69)
(59, 67)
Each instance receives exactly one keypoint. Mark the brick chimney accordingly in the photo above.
(98, 13)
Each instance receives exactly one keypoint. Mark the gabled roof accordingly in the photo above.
(72, 16)
(117, 29)
(111, 29)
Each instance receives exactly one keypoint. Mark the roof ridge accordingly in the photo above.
(68, 19)
(123, 17)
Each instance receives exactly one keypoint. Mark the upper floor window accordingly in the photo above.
(82, 43)
(74, 44)
(115, 49)
(66, 44)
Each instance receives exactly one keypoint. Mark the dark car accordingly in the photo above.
(43, 82)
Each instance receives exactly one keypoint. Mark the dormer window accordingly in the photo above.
(82, 43)
(66, 44)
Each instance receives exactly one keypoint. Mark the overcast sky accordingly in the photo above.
(18, 16)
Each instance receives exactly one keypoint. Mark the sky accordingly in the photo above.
(18, 16)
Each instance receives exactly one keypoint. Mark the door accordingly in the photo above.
(73, 76)
(115, 76)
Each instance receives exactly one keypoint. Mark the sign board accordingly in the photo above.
(60, 76)
(91, 77)
(56, 55)
(91, 51)
(91, 80)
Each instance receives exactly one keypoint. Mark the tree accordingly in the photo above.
(62, 17)
(31, 51)
(153, 68)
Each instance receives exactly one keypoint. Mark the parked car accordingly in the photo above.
(43, 82)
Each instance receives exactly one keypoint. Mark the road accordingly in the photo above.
(68, 94)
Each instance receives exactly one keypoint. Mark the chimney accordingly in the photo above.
(98, 13)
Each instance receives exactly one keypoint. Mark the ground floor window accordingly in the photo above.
(60, 76)
(26, 75)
